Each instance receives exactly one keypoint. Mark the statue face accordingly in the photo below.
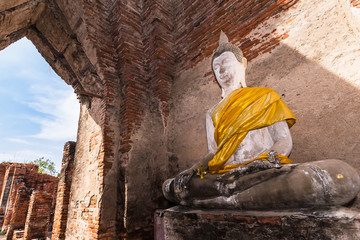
(229, 72)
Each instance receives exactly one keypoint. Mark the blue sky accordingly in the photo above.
(39, 111)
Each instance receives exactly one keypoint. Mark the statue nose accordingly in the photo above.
(222, 69)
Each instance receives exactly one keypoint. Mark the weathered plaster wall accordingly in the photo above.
(193, 93)
(195, 89)
(314, 67)
(144, 175)
(352, 10)
(317, 70)
(86, 184)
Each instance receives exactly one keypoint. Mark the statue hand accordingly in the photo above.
(181, 182)
(255, 166)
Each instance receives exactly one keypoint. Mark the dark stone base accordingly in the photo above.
(184, 223)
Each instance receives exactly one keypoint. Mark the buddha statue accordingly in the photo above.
(249, 141)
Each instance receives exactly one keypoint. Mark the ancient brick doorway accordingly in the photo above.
(44, 24)
(31, 90)
(40, 112)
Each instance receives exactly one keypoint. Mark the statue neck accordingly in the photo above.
(226, 91)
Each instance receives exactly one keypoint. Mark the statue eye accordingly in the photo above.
(225, 61)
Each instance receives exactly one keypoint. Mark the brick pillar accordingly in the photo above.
(4, 182)
(17, 182)
(20, 207)
(37, 220)
(63, 193)
(2, 177)
(6, 188)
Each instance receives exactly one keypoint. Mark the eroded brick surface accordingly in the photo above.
(199, 23)
(183, 223)
(21, 180)
(141, 70)
(63, 192)
(38, 215)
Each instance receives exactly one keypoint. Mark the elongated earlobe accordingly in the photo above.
(222, 93)
(243, 83)
(245, 62)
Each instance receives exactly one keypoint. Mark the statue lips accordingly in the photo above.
(225, 78)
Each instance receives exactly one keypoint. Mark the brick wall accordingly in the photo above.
(147, 110)
(87, 177)
(2, 175)
(199, 24)
(63, 192)
(158, 39)
(127, 32)
(38, 215)
(19, 171)
(86, 213)
(21, 180)
(20, 208)
(127, 29)
(6, 188)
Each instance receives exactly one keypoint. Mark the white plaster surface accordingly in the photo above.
(86, 181)
(315, 70)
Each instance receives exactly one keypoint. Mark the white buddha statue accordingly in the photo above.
(249, 142)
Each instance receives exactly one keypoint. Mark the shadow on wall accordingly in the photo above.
(326, 105)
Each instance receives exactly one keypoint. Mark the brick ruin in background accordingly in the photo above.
(25, 193)
(63, 192)
(141, 70)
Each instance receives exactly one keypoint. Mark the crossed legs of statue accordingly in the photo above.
(260, 186)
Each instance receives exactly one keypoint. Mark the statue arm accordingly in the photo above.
(210, 130)
(281, 136)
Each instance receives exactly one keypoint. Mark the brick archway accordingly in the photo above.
(44, 24)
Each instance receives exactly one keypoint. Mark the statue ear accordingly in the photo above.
(245, 62)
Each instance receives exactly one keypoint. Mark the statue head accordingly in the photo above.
(229, 66)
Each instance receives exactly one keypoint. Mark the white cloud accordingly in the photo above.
(13, 57)
(62, 109)
(31, 74)
(24, 155)
(18, 140)
(33, 92)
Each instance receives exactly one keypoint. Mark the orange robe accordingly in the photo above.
(243, 110)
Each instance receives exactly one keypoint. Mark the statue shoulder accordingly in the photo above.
(209, 112)
(264, 89)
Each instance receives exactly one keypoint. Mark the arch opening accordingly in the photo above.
(40, 112)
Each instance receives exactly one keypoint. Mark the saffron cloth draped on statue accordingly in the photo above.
(243, 110)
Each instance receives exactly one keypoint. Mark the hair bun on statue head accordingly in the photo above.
(225, 46)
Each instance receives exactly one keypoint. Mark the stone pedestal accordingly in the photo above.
(185, 223)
